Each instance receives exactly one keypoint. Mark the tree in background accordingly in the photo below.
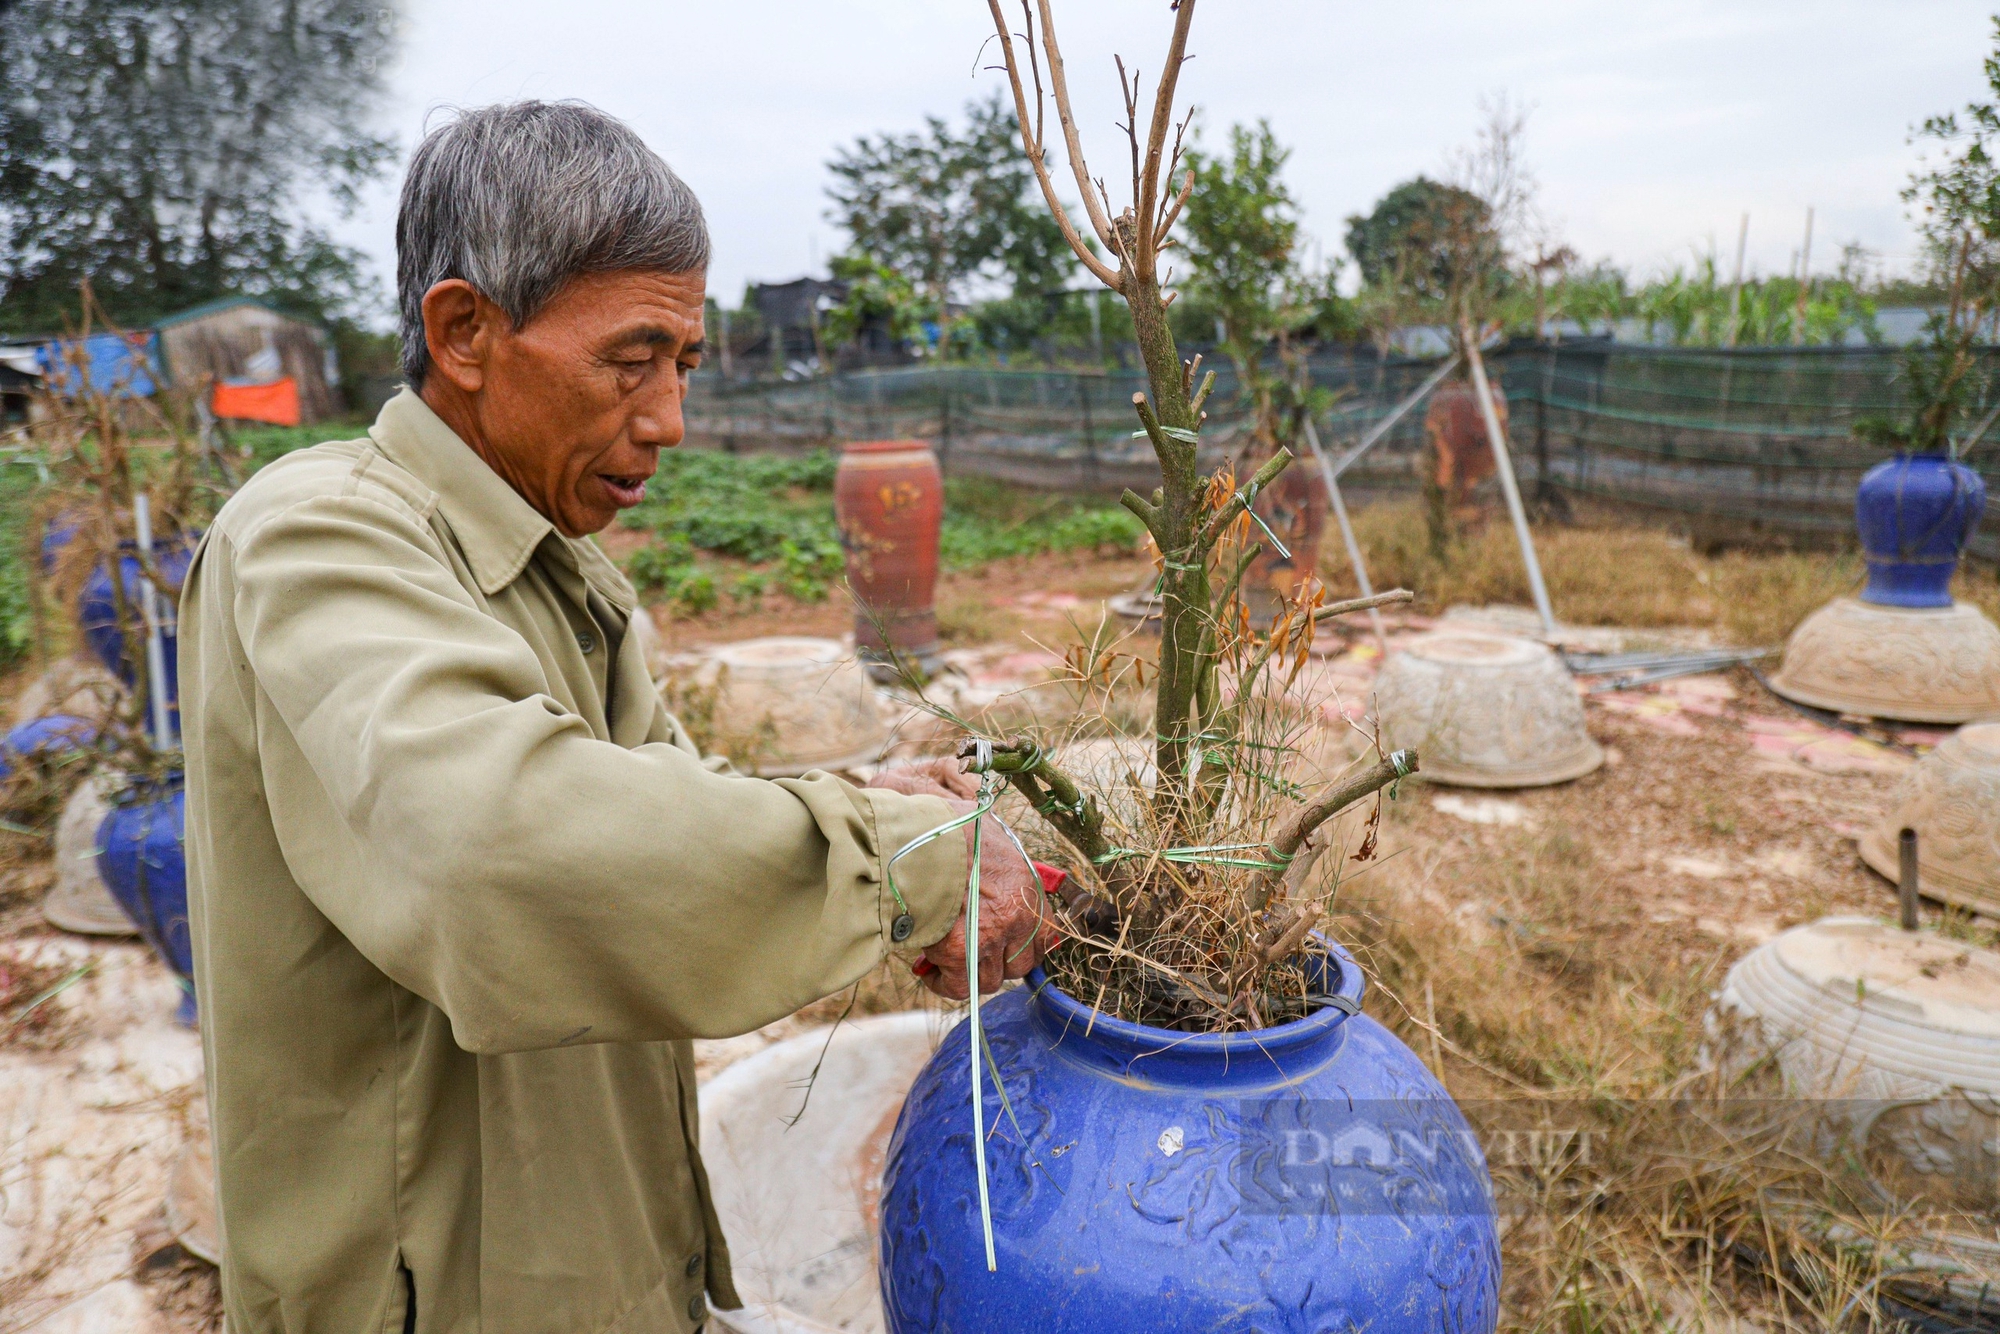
(878, 298)
(1399, 243)
(1957, 196)
(948, 209)
(1242, 227)
(163, 148)
(1242, 230)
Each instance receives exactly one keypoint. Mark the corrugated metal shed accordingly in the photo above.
(246, 341)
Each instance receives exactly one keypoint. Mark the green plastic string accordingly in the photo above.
(978, 1037)
(1211, 854)
(1249, 502)
(989, 792)
(1400, 761)
(1186, 437)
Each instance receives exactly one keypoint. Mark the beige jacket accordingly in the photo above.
(461, 889)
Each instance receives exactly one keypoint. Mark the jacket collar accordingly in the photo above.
(498, 531)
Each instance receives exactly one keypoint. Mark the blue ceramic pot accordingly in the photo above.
(1915, 513)
(53, 734)
(140, 856)
(1308, 1177)
(97, 615)
(57, 534)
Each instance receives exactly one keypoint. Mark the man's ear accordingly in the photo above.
(461, 328)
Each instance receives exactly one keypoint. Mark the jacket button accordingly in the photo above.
(900, 929)
(695, 1307)
(694, 1264)
(586, 641)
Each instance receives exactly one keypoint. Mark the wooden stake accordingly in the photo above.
(1906, 888)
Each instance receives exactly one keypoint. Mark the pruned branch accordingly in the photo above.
(1156, 136)
(1032, 141)
(1285, 937)
(1147, 514)
(1164, 445)
(1244, 497)
(1173, 213)
(1333, 609)
(1201, 395)
(1100, 219)
(1300, 824)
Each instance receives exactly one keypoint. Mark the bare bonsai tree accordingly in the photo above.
(1197, 915)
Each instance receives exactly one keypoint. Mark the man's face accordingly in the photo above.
(574, 407)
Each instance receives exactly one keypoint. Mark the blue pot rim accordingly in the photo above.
(142, 791)
(1097, 1027)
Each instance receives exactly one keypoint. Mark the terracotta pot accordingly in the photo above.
(1913, 664)
(1457, 433)
(80, 901)
(889, 499)
(801, 1204)
(1952, 799)
(1485, 711)
(1895, 1035)
(795, 705)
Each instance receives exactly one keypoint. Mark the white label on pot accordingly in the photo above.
(1171, 1140)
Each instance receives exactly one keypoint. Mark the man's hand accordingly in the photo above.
(1016, 921)
(1017, 924)
(929, 778)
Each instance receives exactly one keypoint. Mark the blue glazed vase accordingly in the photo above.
(97, 614)
(50, 736)
(1915, 513)
(141, 858)
(1310, 1177)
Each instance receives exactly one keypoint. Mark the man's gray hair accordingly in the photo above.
(519, 198)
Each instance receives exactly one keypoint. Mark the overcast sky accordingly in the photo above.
(1655, 125)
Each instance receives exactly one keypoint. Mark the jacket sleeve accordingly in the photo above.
(475, 842)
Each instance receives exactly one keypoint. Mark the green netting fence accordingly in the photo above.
(1745, 442)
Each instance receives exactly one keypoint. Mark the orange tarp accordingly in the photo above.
(276, 402)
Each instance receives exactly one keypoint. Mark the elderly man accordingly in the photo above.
(461, 888)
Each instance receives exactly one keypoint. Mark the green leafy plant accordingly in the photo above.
(777, 512)
(1957, 195)
(806, 571)
(948, 207)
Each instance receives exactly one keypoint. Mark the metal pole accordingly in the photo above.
(149, 607)
(1347, 533)
(1508, 485)
(1906, 888)
(1383, 427)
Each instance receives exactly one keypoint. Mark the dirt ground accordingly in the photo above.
(1710, 827)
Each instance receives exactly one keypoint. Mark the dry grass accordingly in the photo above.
(1606, 571)
(1556, 976)
(28, 1020)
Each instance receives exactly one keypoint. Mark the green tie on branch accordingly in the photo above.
(1209, 819)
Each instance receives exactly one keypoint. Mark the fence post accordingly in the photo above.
(1089, 434)
(1548, 501)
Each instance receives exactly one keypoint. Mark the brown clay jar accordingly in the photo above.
(888, 496)
(1294, 506)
